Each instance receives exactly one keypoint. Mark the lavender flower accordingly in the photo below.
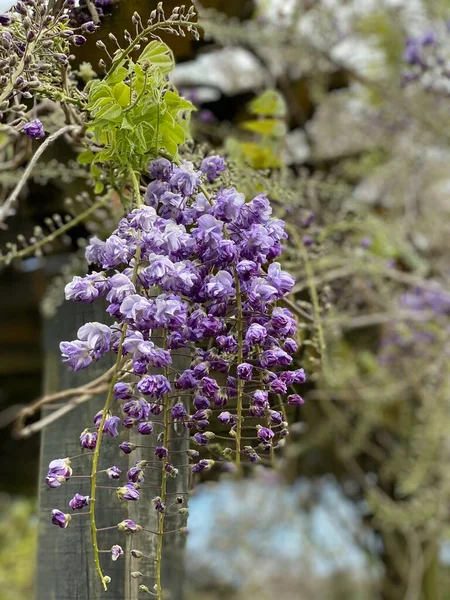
(123, 391)
(61, 519)
(202, 465)
(79, 501)
(128, 492)
(127, 447)
(113, 472)
(212, 166)
(88, 439)
(264, 434)
(129, 525)
(295, 400)
(145, 428)
(116, 552)
(34, 129)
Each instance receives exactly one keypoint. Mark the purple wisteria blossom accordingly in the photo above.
(197, 276)
(34, 129)
(79, 501)
(61, 519)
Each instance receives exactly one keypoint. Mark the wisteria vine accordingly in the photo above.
(199, 271)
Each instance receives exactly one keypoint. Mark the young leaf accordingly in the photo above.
(270, 127)
(159, 54)
(85, 157)
(122, 94)
(269, 104)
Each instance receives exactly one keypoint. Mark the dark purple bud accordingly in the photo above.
(202, 465)
(89, 27)
(113, 472)
(203, 439)
(135, 475)
(201, 402)
(79, 40)
(245, 371)
(127, 447)
(276, 418)
(161, 452)
(128, 422)
(88, 439)
(5, 19)
(145, 428)
(79, 501)
(123, 391)
(110, 426)
(264, 434)
(178, 411)
(34, 129)
(295, 400)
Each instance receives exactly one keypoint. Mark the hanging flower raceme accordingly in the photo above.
(203, 271)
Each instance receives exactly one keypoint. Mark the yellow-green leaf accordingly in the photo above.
(269, 127)
(85, 157)
(122, 94)
(269, 104)
(159, 54)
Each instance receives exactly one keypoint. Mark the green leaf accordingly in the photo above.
(139, 80)
(99, 187)
(270, 127)
(95, 171)
(117, 77)
(159, 54)
(99, 89)
(85, 157)
(110, 112)
(175, 102)
(122, 94)
(269, 104)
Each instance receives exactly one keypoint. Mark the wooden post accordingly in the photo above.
(65, 566)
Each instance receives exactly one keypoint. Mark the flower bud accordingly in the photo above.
(116, 552)
(127, 447)
(79, 40)
(113, 472)
(129, 525)
(128, 492)
(136, 574)
(136, 553)
(89, 27)
(61, 519)
(5, 19)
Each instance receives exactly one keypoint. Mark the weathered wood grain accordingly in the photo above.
(65, 560)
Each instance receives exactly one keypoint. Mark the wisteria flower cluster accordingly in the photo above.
(202, 272)
(427, 58)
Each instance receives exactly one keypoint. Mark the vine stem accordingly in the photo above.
(117, 62)
(314, 295)
(4, 208)
(240, 359)
(55, 234)
(163, 495)
(115, 375)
